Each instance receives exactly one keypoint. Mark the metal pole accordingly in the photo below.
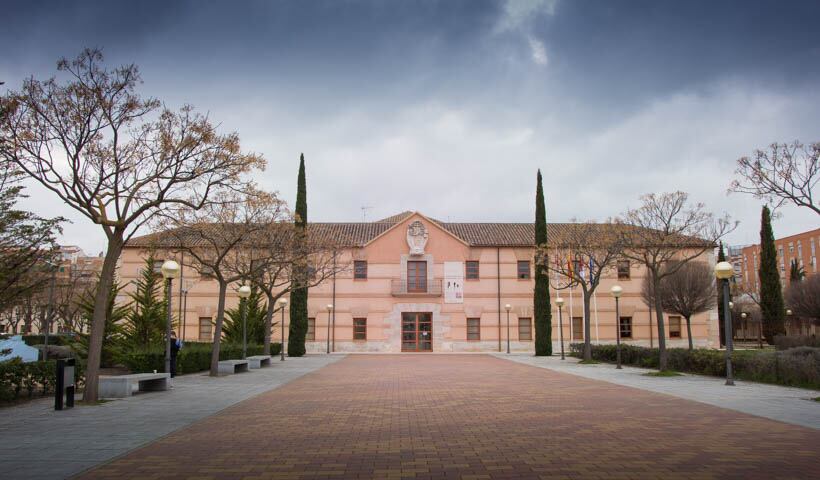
(498, 268)
(333, 346)
(244, 327)
(508, 331)
(727, 319)
(618, 331)
(168, 327)
(328, 331)
(282, 346)
(561, 329)
(50, 311)
(184, 312)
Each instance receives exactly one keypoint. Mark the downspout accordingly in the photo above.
(498, 265)
(335, 307)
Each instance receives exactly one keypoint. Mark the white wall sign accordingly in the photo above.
(453, 282)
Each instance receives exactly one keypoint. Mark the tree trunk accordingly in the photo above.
(220, 316)
(662, 357)
(268, 323)
(689, 332)
(587, 344)
(98, 321)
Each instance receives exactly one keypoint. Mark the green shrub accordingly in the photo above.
(797, 367)
(193, 357)
(33, 377)
(782, 342)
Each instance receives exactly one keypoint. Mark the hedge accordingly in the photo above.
(192, 358)
(796, 367)
(33, 377)
(783, 342)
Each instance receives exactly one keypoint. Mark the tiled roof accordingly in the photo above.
(357, 234)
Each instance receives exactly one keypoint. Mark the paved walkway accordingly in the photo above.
(790, 405)
(469, 416)
(38, 443)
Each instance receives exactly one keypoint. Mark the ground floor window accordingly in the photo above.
(577, 328)
(674, 327)
(525, 329)
(473, 329)
(311, 330)
(359, 329)
(626, 327)
(205, 329)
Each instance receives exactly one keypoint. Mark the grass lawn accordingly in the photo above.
(588, 362)
(663, 373)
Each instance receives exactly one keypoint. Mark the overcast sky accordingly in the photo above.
(449, 107)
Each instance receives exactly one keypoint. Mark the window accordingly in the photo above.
(473, 328)
(311, 331)
(205, 329)
(525, 327)
(626, 327)
(523, 269)
(417, 276)
(623, 270)
(359, 329)
(577, 328)
(674, 327)
(157, 266)
(360, 270)
(472, 270)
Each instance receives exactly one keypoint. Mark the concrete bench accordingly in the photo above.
(259, 361)
(121, 386)
(229, 367)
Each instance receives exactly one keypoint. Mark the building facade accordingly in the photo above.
(802, 249)
(416, 284)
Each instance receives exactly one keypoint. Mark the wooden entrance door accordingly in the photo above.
(416, 332)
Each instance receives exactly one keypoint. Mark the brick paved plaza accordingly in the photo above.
(470, 416)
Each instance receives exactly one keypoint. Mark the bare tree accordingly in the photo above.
(218, 240)
(584, 254)
(687, 292)
(785, 173)
(803, 298)
(664, 234)
(115, 157)
(278, 250)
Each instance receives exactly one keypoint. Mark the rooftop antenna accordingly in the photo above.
(364, 212)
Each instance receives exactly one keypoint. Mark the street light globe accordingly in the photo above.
(170, 269)
(244, 291)
(330, 306)
(788, 311)
(731, 305)
(616, 291)
(559, 301)
(743, 315)
(283, 301)
(507, 307)
(724, 270)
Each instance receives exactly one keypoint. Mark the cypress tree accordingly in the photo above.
(772, 308)
(299, 294)
(721, 323)
(541, 294)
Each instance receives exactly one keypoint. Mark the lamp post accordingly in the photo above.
(616, 291)
(170, 271)
(50, 312)
(507, 307)
(789, 324)
(329, 309)
(283, 302)
(724, 271)
(560, 302)
(244, 292)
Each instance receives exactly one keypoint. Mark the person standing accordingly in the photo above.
(176, 345)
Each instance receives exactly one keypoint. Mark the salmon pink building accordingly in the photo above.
(416, 284)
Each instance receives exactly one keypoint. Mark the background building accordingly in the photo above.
(418, 284)
(801, 248)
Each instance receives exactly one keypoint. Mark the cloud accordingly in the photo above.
(518, 13)
(539, 52)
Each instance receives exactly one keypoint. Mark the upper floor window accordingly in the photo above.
(623, 270)
(360, 269)
(523, 269)
(472, 269)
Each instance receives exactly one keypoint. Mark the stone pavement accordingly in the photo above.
(37, 442)
(469, 416)
(790, 405)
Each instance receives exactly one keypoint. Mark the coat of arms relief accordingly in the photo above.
(417, 237)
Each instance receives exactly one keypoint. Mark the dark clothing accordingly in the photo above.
(176, 344)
